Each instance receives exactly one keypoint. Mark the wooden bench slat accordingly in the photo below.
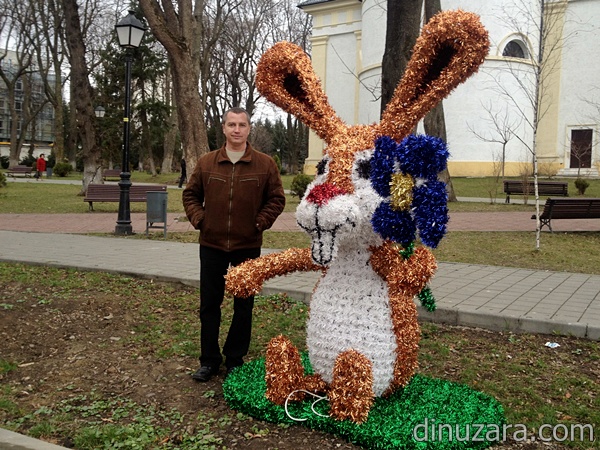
(112, 192)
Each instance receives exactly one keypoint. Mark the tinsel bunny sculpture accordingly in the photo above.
(375, 193)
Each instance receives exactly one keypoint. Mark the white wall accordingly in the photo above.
(502, 85)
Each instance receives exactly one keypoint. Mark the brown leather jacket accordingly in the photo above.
(232, 204)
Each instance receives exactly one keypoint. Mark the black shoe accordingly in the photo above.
(204, 373)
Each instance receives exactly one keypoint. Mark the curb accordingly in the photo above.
(9, 440)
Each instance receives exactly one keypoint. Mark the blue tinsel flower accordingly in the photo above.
(382, 164)
(423, 156)
(431, 211)
(398, 226)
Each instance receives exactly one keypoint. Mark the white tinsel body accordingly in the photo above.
(350, 310)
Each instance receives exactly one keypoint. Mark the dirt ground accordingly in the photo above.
(76, 345)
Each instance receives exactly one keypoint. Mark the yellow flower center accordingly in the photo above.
(401, 187)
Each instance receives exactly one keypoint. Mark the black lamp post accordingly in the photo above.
(130, 32)
(99, 111)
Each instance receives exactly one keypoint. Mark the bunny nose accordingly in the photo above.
(322, 193)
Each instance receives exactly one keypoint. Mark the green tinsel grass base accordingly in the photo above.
(445, 415)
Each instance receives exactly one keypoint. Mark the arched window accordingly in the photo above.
(515, 49)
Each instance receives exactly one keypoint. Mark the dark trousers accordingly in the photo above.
(213, 268)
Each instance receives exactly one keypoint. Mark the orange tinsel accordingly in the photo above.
(247, 279)
(351, 391)
(451, 47)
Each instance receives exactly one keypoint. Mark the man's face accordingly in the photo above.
(236, 129)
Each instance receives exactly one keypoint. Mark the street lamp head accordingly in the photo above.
(130, 31)
(99, 111)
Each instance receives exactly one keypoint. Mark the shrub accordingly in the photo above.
(2, 179)
(4, 162)
(278, 162)
(299, 184)
(581, 185)
(62, 169)
(28, 161)
(51, 161)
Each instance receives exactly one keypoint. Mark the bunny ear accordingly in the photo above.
(451, 48)
(285, 77)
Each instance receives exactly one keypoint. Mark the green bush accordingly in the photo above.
(2, 179)
(299, 184)
(62, 169)
(581, 185)
(28, 161)
(51, 161)
(278, 162)
(4, 162)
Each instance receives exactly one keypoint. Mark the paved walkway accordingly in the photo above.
(496, 298)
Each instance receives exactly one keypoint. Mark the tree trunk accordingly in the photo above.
(59, 119)
(434, 122)
(174, 30)
(83, 98)
(403, 26)
(170, 138)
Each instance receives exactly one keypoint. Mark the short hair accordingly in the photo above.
(235, 110)
(41, 154)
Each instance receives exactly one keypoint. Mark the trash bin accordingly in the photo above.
(49, 172)
(156, 211)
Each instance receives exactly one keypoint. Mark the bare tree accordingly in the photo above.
(541, 22)
(179, 27)
(83, 100)
(51, 51)
(14, 67)
(170, 139)
(502, 129)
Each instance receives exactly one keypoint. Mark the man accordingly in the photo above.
(233, 195)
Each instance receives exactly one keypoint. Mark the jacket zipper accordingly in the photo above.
(230, 207)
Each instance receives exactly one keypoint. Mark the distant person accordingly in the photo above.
(234, 194)
(183, 177)
(40, 166)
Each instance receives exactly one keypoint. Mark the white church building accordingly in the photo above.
(491, 118)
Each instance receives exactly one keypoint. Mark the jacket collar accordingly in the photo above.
(246, 158)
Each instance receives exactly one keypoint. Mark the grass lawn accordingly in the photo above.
(101, 361)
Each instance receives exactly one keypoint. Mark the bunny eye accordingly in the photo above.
(363, 169)
(321, 166)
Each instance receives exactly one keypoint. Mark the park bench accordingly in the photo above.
(20, 170)
(111, 173)
(519, 187)
(112, 192)
(569, 208)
